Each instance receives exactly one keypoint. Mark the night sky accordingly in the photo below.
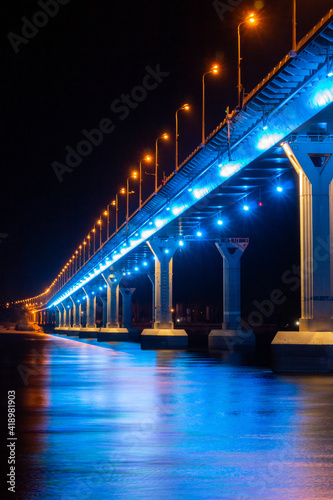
(65, 78)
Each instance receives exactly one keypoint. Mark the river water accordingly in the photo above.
(110, 421)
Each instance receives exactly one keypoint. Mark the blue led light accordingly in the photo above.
(166, 251)
(220, 222)
(246, 208)
(136, 269)
(181, 243)
(199, 233)
(145, 264)
(279, 189)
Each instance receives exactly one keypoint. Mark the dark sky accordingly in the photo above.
(65, 78)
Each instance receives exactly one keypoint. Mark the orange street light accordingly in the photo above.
(146, 158)
(163, 136)
(185, 107)
(214, 69)
(294, 25)
(134, 175)
(115, 204)
(249, 19)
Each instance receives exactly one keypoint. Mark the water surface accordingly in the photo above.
(110, 421)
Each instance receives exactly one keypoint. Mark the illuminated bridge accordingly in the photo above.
(287, 119)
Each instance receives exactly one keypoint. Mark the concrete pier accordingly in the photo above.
(311, 349)
(112, 332)
(163, 335)
(231, 337)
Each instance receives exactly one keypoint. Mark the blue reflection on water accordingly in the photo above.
(110, 421)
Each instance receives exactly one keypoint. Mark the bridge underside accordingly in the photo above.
(286, 123)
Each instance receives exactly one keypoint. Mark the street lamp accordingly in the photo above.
(249, 19)
(99, 222)
(88, 238)
(146, 158)
(294, 25)
(94, 231)
(77, 257)
(115, 204)
(215, 70)
(134, 175)
(163, 136)
(186, 107)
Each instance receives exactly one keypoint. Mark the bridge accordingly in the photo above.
(286, 120)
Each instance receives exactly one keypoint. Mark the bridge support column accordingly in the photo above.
(152, 280)
(83, 312)
(163, 335)
(126, 294)
(232, 336)
(75, 318)
(105, 311)
(57, 317)
(311, 348)
(112, 332)
(91, 311)
(90, 330)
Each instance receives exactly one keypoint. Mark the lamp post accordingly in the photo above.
(163, 136)
(185, 107)
(134, 175)
(146, 158)
(88, 238)
(249, 19)
(214, 69)
(115, 204)
(94, 231)
(84, 251)
(294, 25)
(77, 257)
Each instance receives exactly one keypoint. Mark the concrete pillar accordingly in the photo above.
(163, 335)
(152, 280)
(231, 252)
(83, 312)
(113, 332)
(163, 251)
(232, 336)
(63, 315)
(127, 306)
(91, 310)
(312, 158)
(67, 315)
(112, 280)
(76, 312)
(57, 317)
(105, 310)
